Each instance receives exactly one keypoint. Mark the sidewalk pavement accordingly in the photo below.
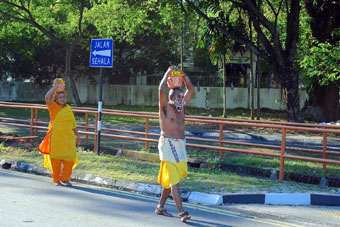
(325, 199)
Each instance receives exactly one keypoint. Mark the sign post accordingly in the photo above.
(101, 56)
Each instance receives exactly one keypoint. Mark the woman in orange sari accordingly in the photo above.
(59, 145)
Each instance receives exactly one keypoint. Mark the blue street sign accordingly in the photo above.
(101, 53)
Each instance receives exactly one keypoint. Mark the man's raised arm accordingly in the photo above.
(190, 89)
(162, 86)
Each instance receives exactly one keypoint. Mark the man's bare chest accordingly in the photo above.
(175, 117)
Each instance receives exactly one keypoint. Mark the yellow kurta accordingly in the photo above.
(62, 141)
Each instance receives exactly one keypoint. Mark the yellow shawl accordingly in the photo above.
(60, 141)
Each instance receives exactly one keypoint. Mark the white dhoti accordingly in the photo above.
(173, 156)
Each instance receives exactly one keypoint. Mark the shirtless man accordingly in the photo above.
(171, 144)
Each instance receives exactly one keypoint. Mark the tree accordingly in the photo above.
(17, 50)
(320, 54)
(145, 41)
(220, 45)
(60, 21)
(277, 29)
(71, 23)
(218, 56)
(149, 54)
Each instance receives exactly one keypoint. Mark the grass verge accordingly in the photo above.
(203, 180)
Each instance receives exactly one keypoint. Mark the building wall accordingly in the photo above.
(141, 95)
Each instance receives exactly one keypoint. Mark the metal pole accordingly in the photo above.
(95, 133)
(36, 121)
(32, 120)
(87, 129)
(100, 104)
(283, 150)
(147, 134)
(324, 150)
(221, 143)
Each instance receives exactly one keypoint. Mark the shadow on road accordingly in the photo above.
(126, 195)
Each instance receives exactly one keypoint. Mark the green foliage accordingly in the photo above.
(27, 54)
(202, 60)
(144, 41)
(319, 59)
(149, 53)
(38, 30)
(264, 66)
(57, 17)
(18, 43)
(217, 49)
(321, 63)
(172, 15)
(119, 19)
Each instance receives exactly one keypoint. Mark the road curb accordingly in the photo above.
(288, 199)
(284, 199)
(205, 198)
(189, 196)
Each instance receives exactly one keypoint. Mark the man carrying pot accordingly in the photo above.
(171, 146)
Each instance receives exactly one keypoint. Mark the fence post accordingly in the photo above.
(283, 149)
(86, 127)
(324, 149)
(95, 134)
(221, 139)
(36, 121)
(147, 133)
(32, 120)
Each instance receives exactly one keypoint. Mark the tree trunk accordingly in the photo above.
(224, 86)
(182, 48)
(69, 79)
(251, 74)
(258, 82)
(291, 86)
(252, 93)
(327, 98)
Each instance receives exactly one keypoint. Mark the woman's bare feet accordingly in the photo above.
(58, 183)
(66, 183)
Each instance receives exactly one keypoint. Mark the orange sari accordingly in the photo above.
(60, 140)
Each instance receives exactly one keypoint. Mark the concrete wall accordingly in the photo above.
(22, 92)
(141, 95)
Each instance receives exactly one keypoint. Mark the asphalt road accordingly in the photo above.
(30, 200)
(309, 216)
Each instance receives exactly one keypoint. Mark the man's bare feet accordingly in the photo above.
(162, 211)
(184, 216)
